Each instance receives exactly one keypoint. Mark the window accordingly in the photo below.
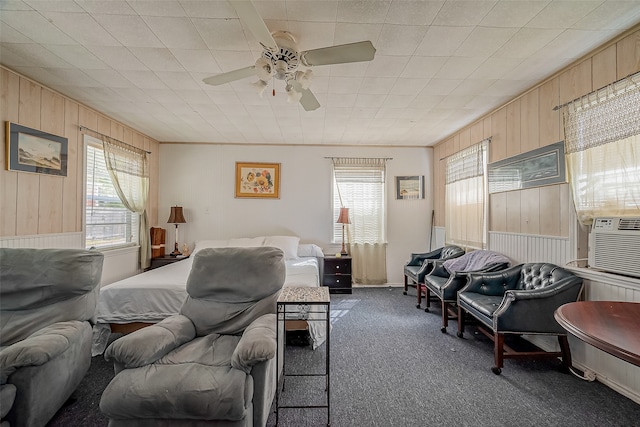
(107, 222)
(602, 136)
(466, 190)
(358, 184)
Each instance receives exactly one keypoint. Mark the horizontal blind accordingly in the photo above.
(107, 221)
(359, 186)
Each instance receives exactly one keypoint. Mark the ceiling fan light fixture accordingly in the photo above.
(264, 69)
(281, 70)
(260, 86)
(305, 78)
(292, 94)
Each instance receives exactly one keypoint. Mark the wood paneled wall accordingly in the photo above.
(528, 122)
(32, 204)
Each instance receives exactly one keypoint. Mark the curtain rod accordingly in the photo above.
(359, 158)
(630, 76)
(84, 128)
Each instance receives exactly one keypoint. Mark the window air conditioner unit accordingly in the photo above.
(614, 245)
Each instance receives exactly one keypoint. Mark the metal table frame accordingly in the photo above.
(298, 303)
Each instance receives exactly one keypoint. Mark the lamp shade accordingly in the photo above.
(343, 218)
(176, 216)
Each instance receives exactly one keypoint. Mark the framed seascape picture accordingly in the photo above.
(258, 180)
(535, 168)
(31, 150)
(410, 187)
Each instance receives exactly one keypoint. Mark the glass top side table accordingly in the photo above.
(313, 305)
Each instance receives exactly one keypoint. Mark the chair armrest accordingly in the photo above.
(39, 347)
(418, 258)
(532, 310)
(438, 268)
(257, 344)
(493, 283)
(149, 344)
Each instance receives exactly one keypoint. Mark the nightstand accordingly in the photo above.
(337, 274)
(164, 260)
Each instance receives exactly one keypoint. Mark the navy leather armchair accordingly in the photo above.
(448, 277)
(419, 264)
(519, 300)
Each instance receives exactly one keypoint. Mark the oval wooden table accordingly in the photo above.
(611, 326)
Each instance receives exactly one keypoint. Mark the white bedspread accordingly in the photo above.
(157, 294)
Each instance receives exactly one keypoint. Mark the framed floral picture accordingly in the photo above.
(260, 180)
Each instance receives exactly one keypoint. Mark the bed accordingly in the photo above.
(154, 295)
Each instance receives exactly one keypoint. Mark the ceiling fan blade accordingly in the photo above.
(341, 54)
(308, 100)
(253, 21)
(231, 76)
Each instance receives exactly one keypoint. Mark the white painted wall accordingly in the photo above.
(200, 178)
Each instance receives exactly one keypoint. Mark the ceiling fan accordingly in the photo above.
(282, 60)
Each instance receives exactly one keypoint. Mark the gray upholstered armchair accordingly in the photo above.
(448, 277)
(212, 364)
(519, 300)
(47, 297)
(418, 266)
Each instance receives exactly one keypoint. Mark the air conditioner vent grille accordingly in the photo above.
(614, 245)
(629, 224)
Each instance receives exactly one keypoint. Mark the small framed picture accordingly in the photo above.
(410, 187)
(31, 150)
(260, 180)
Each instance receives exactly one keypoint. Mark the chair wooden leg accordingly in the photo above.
(406, 285)
(460, 322)
(498, 352)
(419, 293)
(445, 316)
(427, 297)
(566, 353)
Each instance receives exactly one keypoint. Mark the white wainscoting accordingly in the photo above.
(522, 248)
(44, 241)
(118, 263)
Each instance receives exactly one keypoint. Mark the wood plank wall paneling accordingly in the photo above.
(529, 122)
(37, 204)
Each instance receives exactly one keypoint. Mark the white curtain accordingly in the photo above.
(465, 190)
(128, 168)
(602, 145)
(360, 186)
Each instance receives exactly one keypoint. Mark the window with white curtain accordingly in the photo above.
(107, 222)
(602, 145)
(465, 195)
(358, 184)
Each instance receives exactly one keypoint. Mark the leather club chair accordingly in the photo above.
(448, 277)
(212, 364)
(47, 298)
(419, 265)
(519, 300)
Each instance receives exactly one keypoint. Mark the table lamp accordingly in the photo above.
(176, 217)
(343, 219)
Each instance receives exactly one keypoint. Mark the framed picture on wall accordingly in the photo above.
(260, 180)
(410, 187)
(31, 150)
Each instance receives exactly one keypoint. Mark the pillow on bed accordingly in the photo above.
(309, 249)
(203, 244)
(246, 242)
(288, 245)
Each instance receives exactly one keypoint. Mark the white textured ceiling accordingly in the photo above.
(439, 64)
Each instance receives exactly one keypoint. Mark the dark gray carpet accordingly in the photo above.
(391, 366)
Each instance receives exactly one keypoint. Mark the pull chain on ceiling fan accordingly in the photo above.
(281, 59)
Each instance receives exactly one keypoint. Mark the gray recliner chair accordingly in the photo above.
(212, 364)
(47, 297)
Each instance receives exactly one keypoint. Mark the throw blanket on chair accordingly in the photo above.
(474, 261)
